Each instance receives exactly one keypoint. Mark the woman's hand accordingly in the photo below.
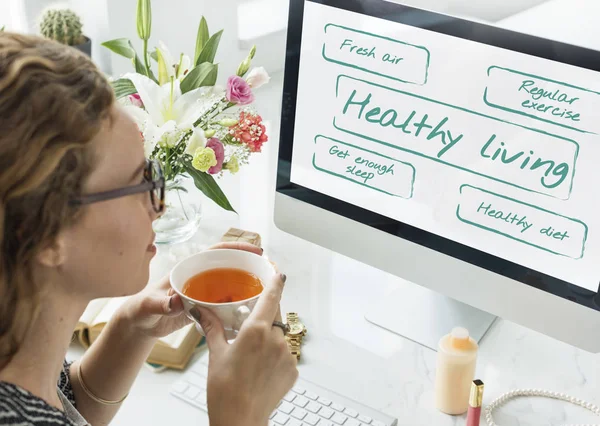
(248, 378)
(157, 311)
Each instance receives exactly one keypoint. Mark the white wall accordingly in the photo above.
(176, 21)
(486, 10)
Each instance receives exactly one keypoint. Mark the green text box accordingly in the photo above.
(547, 100)
(519, 156)
(376, 54)
(519, 221)
(367, 168)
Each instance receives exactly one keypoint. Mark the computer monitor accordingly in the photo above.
(455, 155)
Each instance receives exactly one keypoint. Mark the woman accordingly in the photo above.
(64, 140)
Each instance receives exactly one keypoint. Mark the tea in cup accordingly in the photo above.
(227, 282)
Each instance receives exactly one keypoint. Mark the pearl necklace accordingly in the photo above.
(537, 392)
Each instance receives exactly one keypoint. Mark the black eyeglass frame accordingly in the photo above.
(148, 186)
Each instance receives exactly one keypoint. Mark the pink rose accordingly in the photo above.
(238, 91)
(216, 145)
(136, 100)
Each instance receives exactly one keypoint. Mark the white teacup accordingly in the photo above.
(233, 314)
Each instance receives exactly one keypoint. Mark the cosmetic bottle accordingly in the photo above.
(455, 371)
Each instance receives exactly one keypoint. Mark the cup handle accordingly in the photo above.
(241, 314)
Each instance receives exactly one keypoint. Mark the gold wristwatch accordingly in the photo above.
(296, 333)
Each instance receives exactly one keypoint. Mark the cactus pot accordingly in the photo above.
(85, 47)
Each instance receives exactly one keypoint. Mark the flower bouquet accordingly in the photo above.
(192, 126)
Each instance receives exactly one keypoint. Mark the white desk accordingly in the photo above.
(349, 355)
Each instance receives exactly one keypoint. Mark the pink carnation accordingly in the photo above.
(216, 145)
(238, 91)
(250, 131)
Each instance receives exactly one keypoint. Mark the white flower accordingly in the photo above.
(165, 108)
(184, 65)
(197, 140)
(166, 64)
(257, 78)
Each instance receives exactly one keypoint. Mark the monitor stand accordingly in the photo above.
(425, 316)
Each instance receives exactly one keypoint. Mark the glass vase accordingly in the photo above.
(182, 215)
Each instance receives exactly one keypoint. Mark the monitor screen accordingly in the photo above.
(474, 141)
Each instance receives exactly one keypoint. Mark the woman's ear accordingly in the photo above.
(53, 255)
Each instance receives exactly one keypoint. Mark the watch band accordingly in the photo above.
(295, 341)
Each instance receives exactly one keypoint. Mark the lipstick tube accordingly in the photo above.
(475, 403)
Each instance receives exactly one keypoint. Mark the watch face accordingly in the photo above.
(296, 328)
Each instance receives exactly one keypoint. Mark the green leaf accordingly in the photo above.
(207, 184)
(200, 76)
(154, 55)
(210, 49)
(201, 39)
(2, 28)
(140, 68)
(123, 87)
(121, 46)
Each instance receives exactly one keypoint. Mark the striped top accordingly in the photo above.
(19, 407)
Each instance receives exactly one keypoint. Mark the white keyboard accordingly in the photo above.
(307, 404)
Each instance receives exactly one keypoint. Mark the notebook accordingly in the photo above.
(174, 350)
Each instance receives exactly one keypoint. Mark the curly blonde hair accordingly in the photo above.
(53, 101)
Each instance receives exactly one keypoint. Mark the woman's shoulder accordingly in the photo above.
(19, 407)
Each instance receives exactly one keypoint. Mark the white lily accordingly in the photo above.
(166, 109)
(197, 140)
(168, 68)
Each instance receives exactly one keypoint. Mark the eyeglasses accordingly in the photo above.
(154, 183)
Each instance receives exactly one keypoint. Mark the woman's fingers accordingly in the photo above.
(238, 245)
(267, 306)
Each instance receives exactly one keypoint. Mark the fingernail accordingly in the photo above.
(283, 277)
(171, 303)
(195, 313)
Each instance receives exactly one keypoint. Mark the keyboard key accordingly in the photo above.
(289, 397)
(180, 387)
(350, 412)
(311, 419)
(313, 407)
(352, 422)
(299, 390)
(339, 419)
(337, 407)
(324, 401)
(286, 407)
(273, 414)
(294, 422)
(192, 392)
(325, 423)
(364, 419)
(300, 401)
(326, 413)
(311, 395)
(299, 413)
(201, 398)
(281, 418)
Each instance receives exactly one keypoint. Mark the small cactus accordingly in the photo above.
(62, 25)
